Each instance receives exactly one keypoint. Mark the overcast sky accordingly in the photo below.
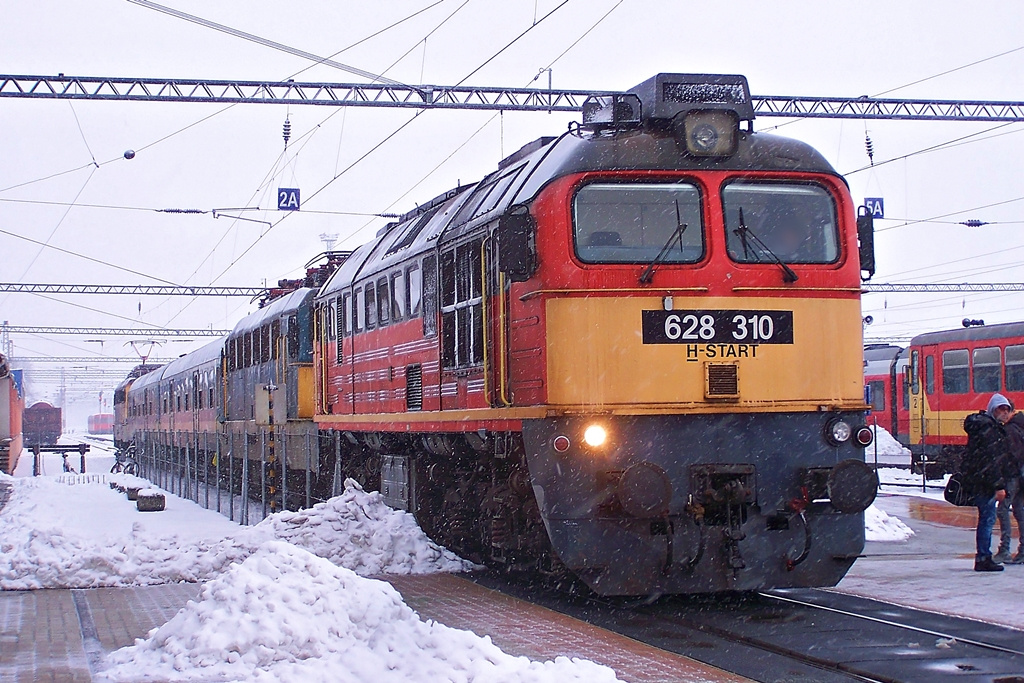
(200, 156)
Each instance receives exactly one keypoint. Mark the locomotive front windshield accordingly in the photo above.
(633, 223)
(791, 223)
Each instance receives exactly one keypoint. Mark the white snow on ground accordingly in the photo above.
(55, 535)
(885, 449)
(880, 526)
(286, 615)
(276, 605)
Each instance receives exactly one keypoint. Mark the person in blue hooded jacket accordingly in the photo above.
(982, 468)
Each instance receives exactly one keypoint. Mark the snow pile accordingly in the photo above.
(880, 526)
(57, 536)
(285, 614)
(887, 443)
(359, 531)
(886, 449)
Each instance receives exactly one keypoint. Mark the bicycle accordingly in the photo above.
(125, 461)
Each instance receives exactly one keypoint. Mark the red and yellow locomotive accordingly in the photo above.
(633, 351)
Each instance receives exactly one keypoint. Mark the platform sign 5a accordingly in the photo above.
(875, 206)
(288, 199)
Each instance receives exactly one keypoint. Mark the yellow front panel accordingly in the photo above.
(306, 392)
(596, 357)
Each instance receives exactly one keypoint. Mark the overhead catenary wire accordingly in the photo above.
(384, 141)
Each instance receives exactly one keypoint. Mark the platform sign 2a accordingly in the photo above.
(288, 199)
(875, 206)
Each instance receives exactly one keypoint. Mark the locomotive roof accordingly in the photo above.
(647, 146)
(971, 334)
(279, 307)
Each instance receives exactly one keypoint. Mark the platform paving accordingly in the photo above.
(60, 636)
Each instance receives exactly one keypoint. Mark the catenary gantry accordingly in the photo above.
(469, 97)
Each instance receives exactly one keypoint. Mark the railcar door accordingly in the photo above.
(932, 392)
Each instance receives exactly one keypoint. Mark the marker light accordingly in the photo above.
(595, 435)
(561, 443)
(864, 436)
(838, 431)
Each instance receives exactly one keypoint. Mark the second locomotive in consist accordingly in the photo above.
(632, 352)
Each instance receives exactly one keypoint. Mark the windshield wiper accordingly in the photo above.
(743, 232)
(648, 274)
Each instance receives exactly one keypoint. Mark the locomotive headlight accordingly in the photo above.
(595, 436)
(838, 431)
(710, 132)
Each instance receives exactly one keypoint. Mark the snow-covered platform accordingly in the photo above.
(934, 568)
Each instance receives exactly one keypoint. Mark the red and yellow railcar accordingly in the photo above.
(633, 351)
(888, 390)
(954, 373)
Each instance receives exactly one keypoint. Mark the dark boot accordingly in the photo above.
(986, 564)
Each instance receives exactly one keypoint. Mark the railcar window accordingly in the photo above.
(293, 336)
(358, 312)
(1015, 368)
(247, 349)
(275, 338)
(430, 296)
(462, 305)
(955, 371)
(414, 292)
(988, 369)
(877, 395)
(265, 344)
(398, 296)
(796, 223)
(331, 319)
(383, 302)
(929, 375)
(230, 353)
(345, 315)
(370, 301)
(633, 223)
(906, 392)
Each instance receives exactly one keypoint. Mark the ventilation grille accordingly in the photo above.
(721, 380)
(414, 387)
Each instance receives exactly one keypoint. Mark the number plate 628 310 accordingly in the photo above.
(717, 327)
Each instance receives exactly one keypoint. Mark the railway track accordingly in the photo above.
(804, 635)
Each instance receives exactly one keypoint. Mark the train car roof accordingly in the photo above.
(873, 352)
(275, 309)
(970, 334)
(190, 361)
